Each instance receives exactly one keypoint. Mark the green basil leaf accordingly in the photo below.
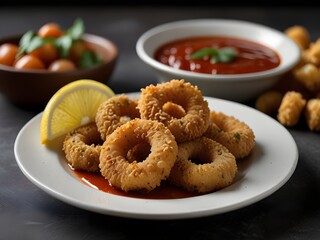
(35, 43)
(223, 55)
(227, 54)
(215, 56)
(89, 59)
(74, 33)
(64, 43)
(202, 53)
(25, 42)
(77, 29)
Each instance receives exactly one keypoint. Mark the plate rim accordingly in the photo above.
(155, 215)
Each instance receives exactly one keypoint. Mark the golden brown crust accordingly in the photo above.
(114, 112)
(312, 54)
(144, 175)
(309, 76)
(234, 134)
(82, 148)
(291, 108)
(203, 165)
(300, 35)
(197, 113)
(312, 113)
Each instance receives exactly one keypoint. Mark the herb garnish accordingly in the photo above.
(30, 41)
(223, 55)
(237, 135)
(89, 59)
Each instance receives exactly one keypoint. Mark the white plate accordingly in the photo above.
(272, 163)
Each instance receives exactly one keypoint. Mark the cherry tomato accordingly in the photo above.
(29, 62)
(77, 50)
(61, 65)
(8, 52)
(47, 53)
(50, 30)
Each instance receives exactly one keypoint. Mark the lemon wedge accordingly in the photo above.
(72, 106)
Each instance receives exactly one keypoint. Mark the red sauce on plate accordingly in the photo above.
(251, 57)
(164, 191)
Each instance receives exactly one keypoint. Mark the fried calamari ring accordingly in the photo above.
(234, 134)
(82, 148)
(144, 175)
(114, 112)
(203, 165)
(197, 113)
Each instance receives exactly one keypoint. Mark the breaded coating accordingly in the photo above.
(300, 35)
(189, 121)
(115, 112)
(203, 165)
(312, 54)
(309, 76)
(292, 105)
(312, 114)
(82, 148)
(303, 78)
(128, 174)
(231, 132)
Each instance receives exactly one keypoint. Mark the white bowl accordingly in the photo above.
(235, 87)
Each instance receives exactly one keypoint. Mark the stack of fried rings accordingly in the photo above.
(197, 113)
(173, 136)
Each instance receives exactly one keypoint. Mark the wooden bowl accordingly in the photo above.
(34, 88)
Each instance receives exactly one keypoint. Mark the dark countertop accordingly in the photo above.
(27, 212)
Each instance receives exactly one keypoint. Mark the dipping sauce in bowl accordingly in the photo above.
(249, 56)
(266, 52)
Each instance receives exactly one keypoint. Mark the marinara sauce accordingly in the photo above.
(251, 57)
(164, 191)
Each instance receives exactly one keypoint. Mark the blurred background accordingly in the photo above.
(26, 212)
(124, 21)
(233, 3)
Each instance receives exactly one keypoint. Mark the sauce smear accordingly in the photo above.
(251, 56)
(164, 191)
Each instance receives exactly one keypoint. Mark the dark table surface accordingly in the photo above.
(27, 212)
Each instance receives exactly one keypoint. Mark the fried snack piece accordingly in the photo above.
(312, 114)
(114, 112)
(300, 35)
(312, 54)
(292, 105)
(234, 134)
(82, 148)
(132, 175)
(190, 125)
(269, 102)
(203, 165)
(309, 76)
